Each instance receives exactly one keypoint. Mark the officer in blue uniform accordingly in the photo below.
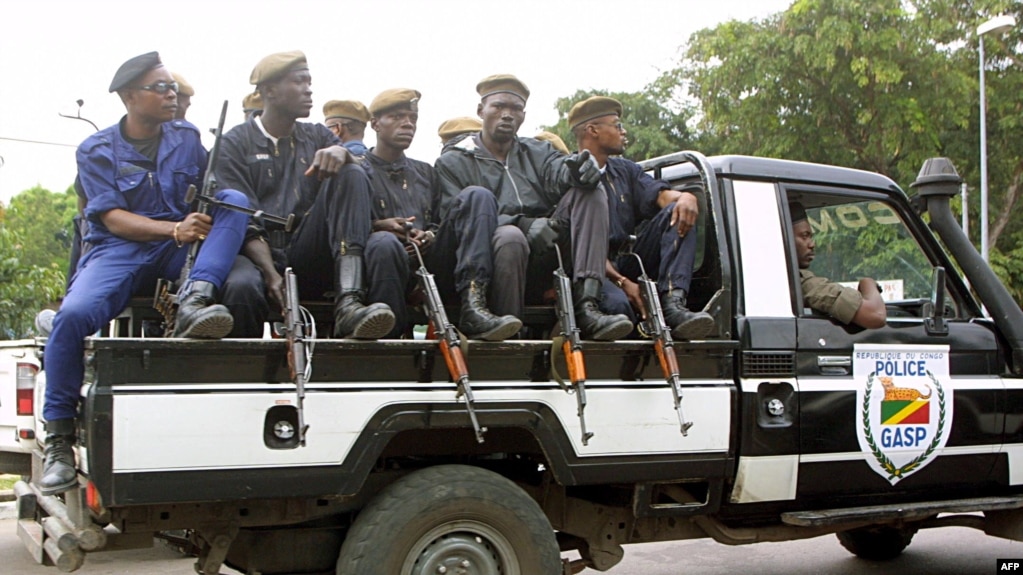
(135, 175)
(666, 244)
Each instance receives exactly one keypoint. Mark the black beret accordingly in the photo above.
(133, 68)
(797, 212)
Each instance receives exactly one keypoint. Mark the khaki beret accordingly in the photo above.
(133, 68)
(554, 139)
(184, 88)
(502, 83)
(276, 65)
(395, 98)
(455, 126)
(251, 102)
(351, 109)
(592, 108)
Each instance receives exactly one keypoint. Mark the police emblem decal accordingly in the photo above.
(904, 410)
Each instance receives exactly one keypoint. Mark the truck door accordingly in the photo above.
(915, 404)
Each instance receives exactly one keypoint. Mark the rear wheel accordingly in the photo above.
(878, 542)
(451, 519)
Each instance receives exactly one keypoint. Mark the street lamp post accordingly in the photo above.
(997, 25)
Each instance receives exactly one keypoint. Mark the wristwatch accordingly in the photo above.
(620, 282)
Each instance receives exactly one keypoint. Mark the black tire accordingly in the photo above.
(878, 542)
(444, 515)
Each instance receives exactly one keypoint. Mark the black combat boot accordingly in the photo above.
(199, 314)
(476, 321)
(684, 324)
(59, 473)
(593, 323)
(353, 319)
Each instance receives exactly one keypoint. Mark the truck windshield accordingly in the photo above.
(869, 239)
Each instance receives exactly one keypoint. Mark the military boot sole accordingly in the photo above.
(500, 332)
(697, 327)
(374, 325)
(616, 330)
(214, 325)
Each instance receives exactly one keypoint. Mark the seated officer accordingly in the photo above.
(535, 198)
(666, 244)
(402, 188)
(135, 175)
(289, 167)
(862, 306)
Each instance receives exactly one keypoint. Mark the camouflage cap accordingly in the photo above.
(251, 102)
(395, 98)
(499, 83)
(276, 65)
(184, 88)
(455, 126)
(132, 69)
(351, 109)
(592, 108)
(554, 139)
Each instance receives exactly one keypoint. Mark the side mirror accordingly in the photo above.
(934, 310)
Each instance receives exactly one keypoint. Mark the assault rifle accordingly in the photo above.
(654, 327)
(450, 341)
(571, 345)
(299, 328)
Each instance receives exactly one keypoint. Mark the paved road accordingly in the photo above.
(951, 551)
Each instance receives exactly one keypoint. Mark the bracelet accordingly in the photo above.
(176, 240)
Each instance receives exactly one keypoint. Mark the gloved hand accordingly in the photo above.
(542, 234)
(583, 170)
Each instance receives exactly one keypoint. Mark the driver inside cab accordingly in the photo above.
(862, 306)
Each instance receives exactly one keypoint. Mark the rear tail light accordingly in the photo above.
(26, 387)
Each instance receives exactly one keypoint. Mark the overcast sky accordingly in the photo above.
(54, 52)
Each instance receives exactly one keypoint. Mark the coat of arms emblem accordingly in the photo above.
(904, 407)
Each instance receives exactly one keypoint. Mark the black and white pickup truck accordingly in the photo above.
(801, 426)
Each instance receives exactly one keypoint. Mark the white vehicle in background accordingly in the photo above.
(19, 366)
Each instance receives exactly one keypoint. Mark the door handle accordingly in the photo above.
(834, 364)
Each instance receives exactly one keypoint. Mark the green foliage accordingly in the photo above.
(653, 128)
(43, 220)
(849, 82)
(24, 289)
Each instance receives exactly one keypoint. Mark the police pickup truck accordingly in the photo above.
(783, 424)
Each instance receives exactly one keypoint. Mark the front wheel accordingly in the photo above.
(878, 542)
(451, 519)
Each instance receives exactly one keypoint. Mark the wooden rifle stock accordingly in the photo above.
(295, 328)
(450, 342)
(654, 327)
(571, 345)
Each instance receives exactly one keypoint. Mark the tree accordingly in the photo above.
(849, 82)
(653, 128)
(43, 220)
(24, 289)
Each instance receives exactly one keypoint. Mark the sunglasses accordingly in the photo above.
(160, 87)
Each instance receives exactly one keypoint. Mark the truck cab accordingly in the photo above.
(802, 425)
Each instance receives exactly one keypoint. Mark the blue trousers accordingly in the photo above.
(668, 260)
(108, 275)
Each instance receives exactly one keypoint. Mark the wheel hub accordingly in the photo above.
(458, 554)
